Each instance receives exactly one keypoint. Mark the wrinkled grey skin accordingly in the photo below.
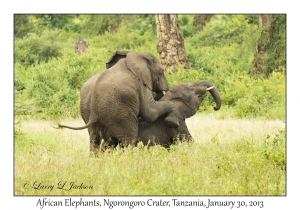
(187, 97)
(112, 101)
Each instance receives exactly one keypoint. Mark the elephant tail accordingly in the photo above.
(59, 126)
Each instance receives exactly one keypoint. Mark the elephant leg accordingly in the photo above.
(108, 143)
(94, 139)
(124, 134)
(182, 132)
(171, 119)
(158, 108)
(184, 137)
(113, 142)
(128, 141)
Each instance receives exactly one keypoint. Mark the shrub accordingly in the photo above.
(248, 97)
(186, 25)
(34, 49)
(226, 45)
(274, 148)
(145, 23)
(22, 25)
(49, 74)
(264, 97)
(100, 24)
(55, 85)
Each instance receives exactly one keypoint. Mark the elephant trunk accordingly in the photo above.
(214, 92)
(216, 97)
(161, 88)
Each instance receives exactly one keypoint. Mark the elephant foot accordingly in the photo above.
(171, 121)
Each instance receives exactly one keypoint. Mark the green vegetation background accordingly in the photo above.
(48, 73)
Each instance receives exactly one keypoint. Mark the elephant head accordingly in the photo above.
(145, 66)
(188, 96)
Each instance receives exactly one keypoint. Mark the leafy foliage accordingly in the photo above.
(275, 148)
(55, 85)
(226, 44)
(248, 97)
(49, 74)
(22, 25)
(53, 21)
(186, 25)
(99, 24)
(146, 23)
(35, 49)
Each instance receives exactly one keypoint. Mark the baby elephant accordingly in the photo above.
(186, 97)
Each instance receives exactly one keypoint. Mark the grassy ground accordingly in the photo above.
(228, 157)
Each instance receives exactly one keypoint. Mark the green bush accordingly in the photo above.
(50, 74)
(34, 49)
(274, 148)
(267, 97)
(53, 21)
(186, 26)
(55, 85)
(227, 44)
(22, 25)
(144, 24)
(223, 30)
(248, 97)
(100, 24)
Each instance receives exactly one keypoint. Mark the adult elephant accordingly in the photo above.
(112, 101)
(187, 97)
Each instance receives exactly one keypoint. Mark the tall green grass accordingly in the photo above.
(248, 163)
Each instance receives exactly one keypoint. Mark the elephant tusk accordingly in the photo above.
(164, 92)
(209, 88)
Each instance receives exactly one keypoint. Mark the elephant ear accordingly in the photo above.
(119, 54)
(140, 65)
(189, 113)
(184, 111)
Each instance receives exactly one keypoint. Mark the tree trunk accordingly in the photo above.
(170, 44)
(270, 51)
(200, 20)
(264, 20)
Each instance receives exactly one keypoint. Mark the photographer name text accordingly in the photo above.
(61, 185)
